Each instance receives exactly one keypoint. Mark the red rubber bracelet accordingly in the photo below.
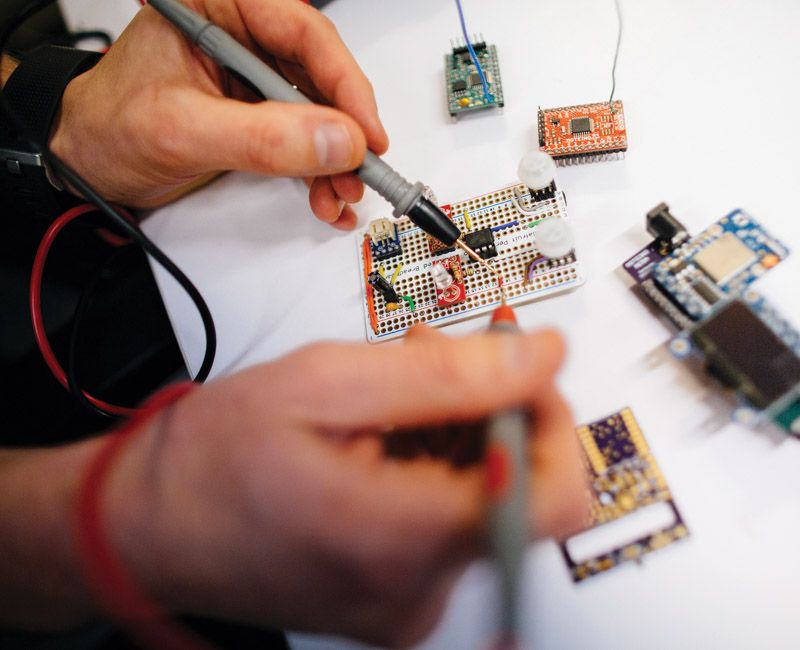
(110, 582)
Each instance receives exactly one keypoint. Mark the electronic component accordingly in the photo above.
(580, 125)
(668, 231)
(383, 239)
(482, 241)
(465, 91)
(703, 287)
(624, 479)
(537, 170)
(585, 133)
(554, 238)
(724, 258)
(514, 236)
(381, 284)
(448, 278)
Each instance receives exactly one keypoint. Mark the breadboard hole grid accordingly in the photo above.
(515, 251)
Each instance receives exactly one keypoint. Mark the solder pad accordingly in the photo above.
(624, 478)
(585, 133)
(463, 93)
(514, 235)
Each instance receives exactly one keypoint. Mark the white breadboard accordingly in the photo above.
(516, 249)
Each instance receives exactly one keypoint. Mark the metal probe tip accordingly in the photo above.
(460, 243)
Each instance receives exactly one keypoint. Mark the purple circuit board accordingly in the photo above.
(625, 478)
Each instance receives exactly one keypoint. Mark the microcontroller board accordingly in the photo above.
(703, 285)
(501, 225)
(583, 133)
(465, 92)
(624, 478)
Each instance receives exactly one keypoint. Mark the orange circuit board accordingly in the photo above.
(585, 133)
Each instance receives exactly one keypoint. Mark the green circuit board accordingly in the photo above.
(464, 88)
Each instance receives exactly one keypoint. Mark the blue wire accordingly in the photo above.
(486, 94)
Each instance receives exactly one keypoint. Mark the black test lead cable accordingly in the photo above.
(66, 173)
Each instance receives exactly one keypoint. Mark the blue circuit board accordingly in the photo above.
(719, 263)
(703, 285)
(387, 246)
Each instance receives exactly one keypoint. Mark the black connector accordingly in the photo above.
(433, 221)
(666, 229)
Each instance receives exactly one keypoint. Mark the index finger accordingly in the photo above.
(428, 380)
(298, 32)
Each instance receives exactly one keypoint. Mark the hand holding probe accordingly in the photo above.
(407, 198)
(507, 481)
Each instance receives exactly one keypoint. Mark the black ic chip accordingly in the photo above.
(482, 242)
(458, 85)
(744, 353)
(580, 125)
(475, 79)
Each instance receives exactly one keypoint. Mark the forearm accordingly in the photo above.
(40, 581)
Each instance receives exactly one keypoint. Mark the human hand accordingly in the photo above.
(156, 116)
(266, 497)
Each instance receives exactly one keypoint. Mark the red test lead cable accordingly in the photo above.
(35, 295)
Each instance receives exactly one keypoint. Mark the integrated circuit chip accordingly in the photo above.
(580, 125)
(482, 242)
(726, 257)
(584, 133)
(625, 479)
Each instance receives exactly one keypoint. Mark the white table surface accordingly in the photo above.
(711, 101)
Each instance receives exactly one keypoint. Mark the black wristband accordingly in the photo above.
(33, 93)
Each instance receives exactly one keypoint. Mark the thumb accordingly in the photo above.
(274, 138)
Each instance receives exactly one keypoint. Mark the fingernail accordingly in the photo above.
(333, 145)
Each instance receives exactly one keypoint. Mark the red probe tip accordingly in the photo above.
(504, 314)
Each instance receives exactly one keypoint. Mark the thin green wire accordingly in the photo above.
(616, 56)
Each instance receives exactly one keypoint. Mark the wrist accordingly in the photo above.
(39, 567)
(129, 505)
(152, 511)
(64, 134)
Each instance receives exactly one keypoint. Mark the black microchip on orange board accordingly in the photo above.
(482, 242)
(580, 125)
(743, 352)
